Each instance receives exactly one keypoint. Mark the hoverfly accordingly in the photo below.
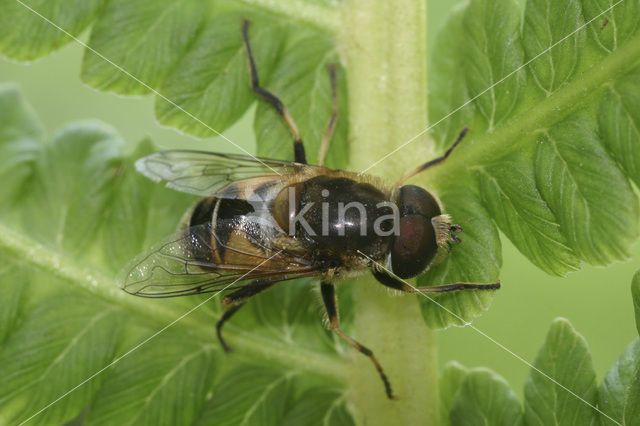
(246, 234)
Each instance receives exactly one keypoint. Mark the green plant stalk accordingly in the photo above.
(158, 315)
(384, 47)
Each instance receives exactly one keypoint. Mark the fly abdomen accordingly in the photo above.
(214, 220)
(202, 212)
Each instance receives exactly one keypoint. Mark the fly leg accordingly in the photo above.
(331, 125)
(435, 161)
(298, 147)
(234, 301)
(389, 280)
(331, 304)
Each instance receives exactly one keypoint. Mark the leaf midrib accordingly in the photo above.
(250, 345)
(513, 134)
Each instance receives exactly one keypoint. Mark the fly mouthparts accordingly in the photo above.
(455, 229)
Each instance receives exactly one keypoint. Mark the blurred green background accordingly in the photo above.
(597, 301)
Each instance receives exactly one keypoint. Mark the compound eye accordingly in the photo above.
(416, 200)
(414, 249)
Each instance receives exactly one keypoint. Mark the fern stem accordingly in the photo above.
(319, 15)
(157, 315)
(384, 44)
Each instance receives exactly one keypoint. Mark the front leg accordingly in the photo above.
(331, 304)
(389, 280)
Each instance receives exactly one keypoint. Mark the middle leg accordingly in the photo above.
(234, 301)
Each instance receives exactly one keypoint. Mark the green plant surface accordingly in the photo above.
(485, 398)
(635, 291)
(565, 357)
(480, 396)
(520, 172)
(69, 320)
(451, 377)
(618, 393)
(587, 64)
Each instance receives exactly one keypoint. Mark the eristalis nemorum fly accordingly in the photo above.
(265, 221)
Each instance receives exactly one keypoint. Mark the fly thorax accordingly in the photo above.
(337, 214)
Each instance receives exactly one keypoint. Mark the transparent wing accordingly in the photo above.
(206, 173)
(198, 260)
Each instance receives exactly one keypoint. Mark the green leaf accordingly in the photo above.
(616, 26)
(139, 212)
(545, 24)
(145, 38)
(18, 122)
(20, 137)
(212, 81)
(83, 212)
(126, 214)
(447, 64)
(632, 409)
(485, 398)
(50, 351)
(316, 404)
(252, 395)
(451, 379)
(635, 291)
(514, 202)
(619, 123)
(193, 56)
(572, 147)
(11, 296)
(562, 131)
(582, 186)
(618, 393)
(492, 50)
(82, 159)
(565, 357)
(301, 81)
(476, 259)
(249, 396)
(25, 36)
(162, 372)
(284, 315)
